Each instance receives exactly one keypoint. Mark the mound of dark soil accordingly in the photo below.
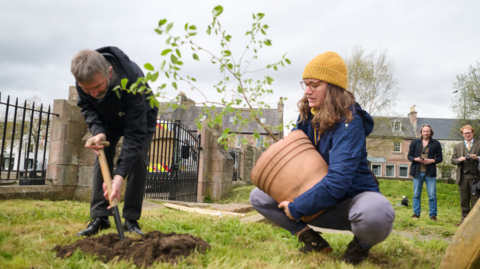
(152, 247)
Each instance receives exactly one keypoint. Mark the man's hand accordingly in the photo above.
(284, 205)
(97, 138)
(428, 161)
(116, 187)
(473, 156)
(461, 159)
(418, 159)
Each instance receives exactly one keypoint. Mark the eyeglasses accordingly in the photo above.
(467, 133)
(313, 85)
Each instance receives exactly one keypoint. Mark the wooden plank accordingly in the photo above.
(203, 211)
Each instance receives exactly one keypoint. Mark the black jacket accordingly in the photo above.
(434, 152)
(121, 113)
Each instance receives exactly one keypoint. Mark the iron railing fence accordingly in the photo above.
(24, 131)
(174, 159)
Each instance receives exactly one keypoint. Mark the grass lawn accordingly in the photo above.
(29, 229)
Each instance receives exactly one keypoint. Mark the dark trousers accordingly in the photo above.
(136, 179)
(466, 197)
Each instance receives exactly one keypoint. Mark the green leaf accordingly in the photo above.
(167, 75)
(149, 67)
(169, 26)
(194, 79)
(265, 26)
(174, 106)
(162, 22)
(124, 82)
(163, 86)
(186, 26)
(199, 125)
(165, 52)
(260, 16)
(174, 84)
(141, 89)
(152, 102)
(158, 31)
(178, 53)
(173, 59)
(226, 53)
(228, 37)
(230, 66)
(275, 67)
(168, 40)
(226, 131)
(209, 30)
(263, 32)
(154, 76)
(195, 56)
(193, 27)
(288, 61)
(267, 42)
(217, 11)
(192, 34)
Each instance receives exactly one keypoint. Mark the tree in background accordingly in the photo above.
(236, 89)
(466, 101)
(372, 78)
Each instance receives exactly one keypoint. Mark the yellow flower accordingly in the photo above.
(422, 227)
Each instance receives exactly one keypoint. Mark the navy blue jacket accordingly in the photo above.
(343, 149)
(122, 114)
(434, 152)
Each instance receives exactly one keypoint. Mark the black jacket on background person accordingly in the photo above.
(120, 113)
(434, 152)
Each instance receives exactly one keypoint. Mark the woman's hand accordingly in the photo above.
(284, 205)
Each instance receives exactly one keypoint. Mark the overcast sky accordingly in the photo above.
(429, 41)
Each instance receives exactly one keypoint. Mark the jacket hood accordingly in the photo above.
(366, 118)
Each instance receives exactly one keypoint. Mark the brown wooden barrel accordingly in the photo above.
(289, 168)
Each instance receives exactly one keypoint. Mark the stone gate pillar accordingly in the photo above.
(215, 167)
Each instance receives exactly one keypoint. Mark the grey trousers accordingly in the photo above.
(136, 179)
(369, 215)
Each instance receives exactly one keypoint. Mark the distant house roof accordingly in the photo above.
(188, 116)
(383, 127)
(442, 128)
(377, 159)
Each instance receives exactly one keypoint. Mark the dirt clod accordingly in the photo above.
(152, 247)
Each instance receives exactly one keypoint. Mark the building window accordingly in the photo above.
(8, 163)
(260, 141)
(403, 170)
(396, 126)
(377, 169)
(390, 171)
(263, 120)
(396, 146)
(239, 140)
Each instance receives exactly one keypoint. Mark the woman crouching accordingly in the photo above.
(337, 127)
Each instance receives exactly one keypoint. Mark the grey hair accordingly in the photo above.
(86, 63)
(431, 130)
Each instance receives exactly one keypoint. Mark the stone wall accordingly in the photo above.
(248, 158)
(215, 168)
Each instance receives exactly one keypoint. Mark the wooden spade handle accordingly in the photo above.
(107, 178)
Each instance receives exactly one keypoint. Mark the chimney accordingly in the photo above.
(413, 118)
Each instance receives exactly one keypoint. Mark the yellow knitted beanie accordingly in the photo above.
(329, 67)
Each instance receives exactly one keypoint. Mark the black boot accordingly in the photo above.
(355, 253)
(97, 224)
(132, 226)
(314, 242)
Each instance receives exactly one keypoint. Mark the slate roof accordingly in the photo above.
(442, 128)
(383, 127)
(188, 117)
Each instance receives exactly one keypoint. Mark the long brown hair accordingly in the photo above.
(335, 107)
